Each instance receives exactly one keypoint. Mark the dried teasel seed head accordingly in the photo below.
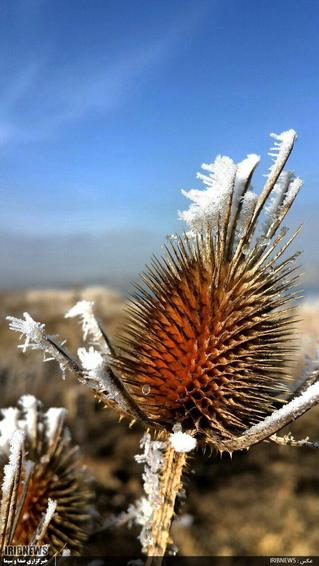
(49, 498)
(207, 339)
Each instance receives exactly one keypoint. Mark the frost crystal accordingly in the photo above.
(53, 418)
(141, 512)
(291, 408)
(278, 194)
(244, 171)
(98, 375)
(207, 206)
(292, 191)
(8, 425)
(29, 405)
(92, 361)
(32, 330)
(228, 201)
(49, 513)
(280, 151)
(11, 468)
(249, 202)
(182, 442)
(36, 338)
(90, 327)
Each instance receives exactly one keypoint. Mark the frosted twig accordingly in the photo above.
(277, 198)
(309, 377)
(54, 418)
(11, 476)
(45, 522)
(247, 210)
(90, 326)
(10, 469)
(8, 425)
(280, 152)
(274, 422)
(142, 511)
(29, 424)
(98, 376)
(36, 339)
(288, 440)
(114, 390)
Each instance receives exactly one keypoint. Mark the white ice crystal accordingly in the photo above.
(209, 205)
(280, 151)
(35, 338)
(28, 422)
(90, 327)
(10, 469)
(182, 442)
(29, 405)
(28, 328)
(92, 361)
(225, 180)
(98, 376)
(8, 425)
(293, 408)
(227, 185)
(282, 197)
(49, 513)
(141, 512)
(53, 417)
(278, 194)
(249, 202)
(245, 169)
(292, 191)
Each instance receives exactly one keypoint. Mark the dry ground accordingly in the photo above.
(263, 502)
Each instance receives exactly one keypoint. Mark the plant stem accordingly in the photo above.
(170, 485)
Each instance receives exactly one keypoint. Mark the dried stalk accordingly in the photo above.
(170, 486)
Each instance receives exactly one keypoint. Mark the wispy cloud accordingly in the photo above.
(39, 100)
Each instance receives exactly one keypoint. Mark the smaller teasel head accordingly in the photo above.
(46, 495)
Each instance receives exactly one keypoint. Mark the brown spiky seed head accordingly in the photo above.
(208, 339)
(56, 474)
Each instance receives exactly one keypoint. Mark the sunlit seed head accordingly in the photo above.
(210, 331)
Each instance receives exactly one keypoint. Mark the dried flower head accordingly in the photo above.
(46, 496)
(208, 336)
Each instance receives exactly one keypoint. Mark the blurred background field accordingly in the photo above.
(262, 502)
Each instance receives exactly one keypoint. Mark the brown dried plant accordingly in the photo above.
(205, 353)
(46, 496)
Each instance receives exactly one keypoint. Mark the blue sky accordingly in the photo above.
(108, 108)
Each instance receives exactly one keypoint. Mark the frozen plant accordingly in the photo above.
(46, 497)
(202, 356)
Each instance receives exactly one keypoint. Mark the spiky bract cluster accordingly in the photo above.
(208, 336)
(46, 496)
